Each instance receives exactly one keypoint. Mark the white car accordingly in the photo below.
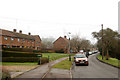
(81, 59)
(90, 53)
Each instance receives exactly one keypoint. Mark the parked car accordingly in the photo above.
(96, 51)
(81, 59)
(90, 52)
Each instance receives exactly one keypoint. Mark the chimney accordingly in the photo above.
(65, 36)
(20, 31)
(14, 30)
(29, 33)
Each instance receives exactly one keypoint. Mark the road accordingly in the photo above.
(95, 69)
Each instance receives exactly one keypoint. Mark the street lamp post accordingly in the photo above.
(69, 47)
(69, 51)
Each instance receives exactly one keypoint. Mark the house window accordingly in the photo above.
(18, 39)
(32, 41)
(12, 39)
(28, 41)
(37, 42)
(5, 38)
(23, 40)
(38, 48)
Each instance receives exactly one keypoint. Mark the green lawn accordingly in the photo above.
(65, 64)
(11, 63)
(112, 61)
(54, 56)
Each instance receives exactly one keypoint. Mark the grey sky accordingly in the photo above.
(58, 17)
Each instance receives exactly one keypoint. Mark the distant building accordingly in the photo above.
(61, 45)
(13, 39)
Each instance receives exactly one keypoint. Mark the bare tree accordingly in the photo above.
(47, 42)
(78, 43)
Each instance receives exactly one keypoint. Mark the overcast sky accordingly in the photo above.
(54, 18)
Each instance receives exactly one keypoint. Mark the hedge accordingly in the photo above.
(24, 59)
(36, 51)
(19, 59)
(18, 54)
(59, 51)
(18, 49)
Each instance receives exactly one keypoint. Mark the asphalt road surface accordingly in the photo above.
(95, 69)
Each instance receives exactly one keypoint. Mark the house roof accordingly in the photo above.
(65, 39)
(37, 36)
(16, 35)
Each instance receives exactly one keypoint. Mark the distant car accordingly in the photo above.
(81, 51)
(90, 53)
(96, 51)
(81, 59)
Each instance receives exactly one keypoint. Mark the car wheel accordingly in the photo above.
(87, 64)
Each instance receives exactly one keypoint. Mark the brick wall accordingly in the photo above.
(60, 43)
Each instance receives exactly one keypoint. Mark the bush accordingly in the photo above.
(20, 59)
(18, 54)
(59, 51)
(43, 60)
(5, 74)
(18, 49)
(47, 51)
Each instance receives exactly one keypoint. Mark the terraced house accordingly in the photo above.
(12, 39)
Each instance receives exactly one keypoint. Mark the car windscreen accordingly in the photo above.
(80, 56)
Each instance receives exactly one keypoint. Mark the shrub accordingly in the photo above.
(20, 59)
(59, 51)
(5, 74)
(43, 60)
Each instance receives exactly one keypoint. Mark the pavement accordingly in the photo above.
(58, 73)
(39, 72)
(96, 69)
(15, 70)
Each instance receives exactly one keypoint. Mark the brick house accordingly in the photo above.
(13, 39)
(61, 44)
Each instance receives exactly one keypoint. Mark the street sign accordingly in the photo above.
(39, 55)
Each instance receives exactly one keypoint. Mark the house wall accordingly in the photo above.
(27, 43)
(37, 43)
(60, 44)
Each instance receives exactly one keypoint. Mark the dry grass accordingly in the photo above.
(19, 67)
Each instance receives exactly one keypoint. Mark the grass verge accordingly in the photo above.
(54, 56)
(65, 64)
(112, 61)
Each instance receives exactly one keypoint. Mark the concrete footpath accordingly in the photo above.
(59, 73)
(40, 72)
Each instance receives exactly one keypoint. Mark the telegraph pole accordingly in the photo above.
(102, 42)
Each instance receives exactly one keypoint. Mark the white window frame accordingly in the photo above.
(5, 38)
(12, 39)
(18, 39)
